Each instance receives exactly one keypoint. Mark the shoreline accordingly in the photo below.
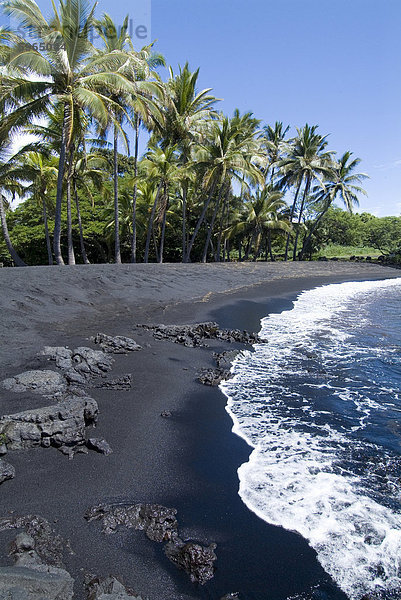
(168, 460)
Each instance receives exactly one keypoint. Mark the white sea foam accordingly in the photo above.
(294, 477)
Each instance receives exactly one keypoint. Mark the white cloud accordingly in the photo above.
(390, 165)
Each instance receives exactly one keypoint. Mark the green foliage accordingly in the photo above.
(345, 234)
(177, 202)
(342, 228)
(384, 234)
(335, 250)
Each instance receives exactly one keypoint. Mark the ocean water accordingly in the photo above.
(320, 404)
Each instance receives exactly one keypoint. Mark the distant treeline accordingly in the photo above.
(208, 186)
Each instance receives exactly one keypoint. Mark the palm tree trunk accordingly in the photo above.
(160, 258)
(312, 231)
(210, 228)
(71, 255)
(135, 191)
(17, 260)
(269, 244)
(59, 194)
(248, 247)
(256, 250)
(291, 217)
(184, 222)
(81, 235)
(306, 191)
(155, 245)
(117, 251)
(48, 244)
(223, 214)
(200, 220)
(150, 224)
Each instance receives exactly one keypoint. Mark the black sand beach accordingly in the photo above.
(187, 461)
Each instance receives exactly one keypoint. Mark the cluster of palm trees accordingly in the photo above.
(223, 182)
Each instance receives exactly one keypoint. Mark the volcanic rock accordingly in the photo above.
(7, 471)
(108, 588)
(60, 425)
(81, 364)
(43, 382)
(195, 335)
(195, 559)
(38, 573)
(124, 382)
(100, 446)
(158, 522)
(31, 578)
(213, 377)
(48, 544)
(117, 344)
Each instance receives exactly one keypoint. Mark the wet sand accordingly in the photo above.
(188, 461)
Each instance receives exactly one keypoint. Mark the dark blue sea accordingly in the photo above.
(320, 404)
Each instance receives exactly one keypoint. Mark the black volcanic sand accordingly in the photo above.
(188, 461)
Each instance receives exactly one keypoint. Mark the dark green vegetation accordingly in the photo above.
(208, 187)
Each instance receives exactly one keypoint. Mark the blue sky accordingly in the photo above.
(331, 63)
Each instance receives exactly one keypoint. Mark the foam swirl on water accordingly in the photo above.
(319, 404)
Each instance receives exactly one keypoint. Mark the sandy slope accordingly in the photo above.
(38, 304)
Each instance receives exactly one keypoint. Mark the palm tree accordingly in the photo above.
(261, 214)
(41, 170)
(115, 40)
(13, 253)
(161, 168)
(147, 116)
(9, 183)
(228, 156)
(307, 161)
(187, 118)
(274, 144)
(88, 170)
(344, 184)
(68, 71)
(50, 134)
(132, 107)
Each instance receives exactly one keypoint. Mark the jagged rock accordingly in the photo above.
(117, 344)
(193, 558)
(71, 451)
(166, 414)
(100, 446)
(213, 377)
(108, 588)
(195, 335)
(44, 382)
(81, 364)
(61, 425)
(20, 583)
(48, 544)
(222, 372)
(7, 471)
(61, 355)
(124, 382)
(232, 596)
(224, 359)
(3, 449)
(31, 578)
(158, 522)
